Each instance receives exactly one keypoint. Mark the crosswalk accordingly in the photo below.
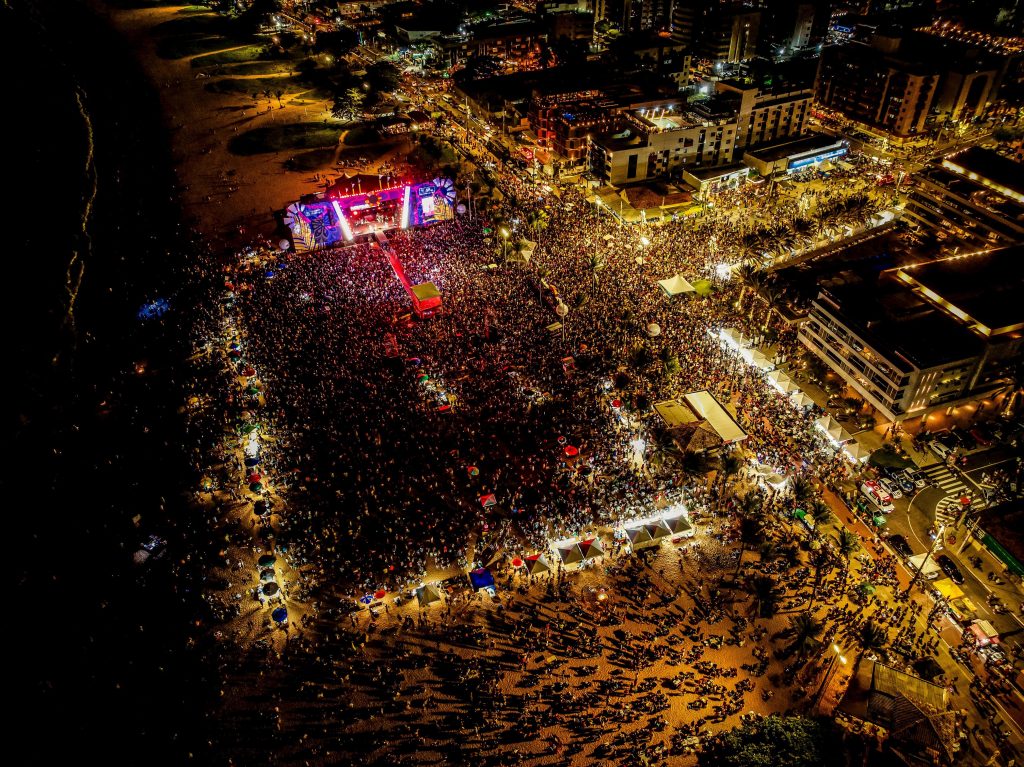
(947, 509)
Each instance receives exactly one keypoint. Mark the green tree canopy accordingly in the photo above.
(775, 741)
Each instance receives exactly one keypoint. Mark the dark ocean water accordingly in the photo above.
(102, 666)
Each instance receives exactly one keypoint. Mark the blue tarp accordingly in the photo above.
(280, 615)
(481, 578)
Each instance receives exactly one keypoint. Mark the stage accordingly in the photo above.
(335, 218)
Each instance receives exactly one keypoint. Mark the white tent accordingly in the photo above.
(732, 337)
(782, 382)
(676, 285)
(833, 430)
(856, 452)
(800, 399)
(640, 538)
(759, 360)
(427, 594)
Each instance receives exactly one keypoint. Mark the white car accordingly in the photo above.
(890, 487)
(915, 477)
(940, 449)
(877, 495)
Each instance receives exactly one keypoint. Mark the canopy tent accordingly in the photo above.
(833, 430)
(925, 563)
(760, 360)
(526, 248)
(948, 589)
(427, 594)
(679, 525)
(591, 548)
(800, 399)
(425, 297)
(782, 382)
(658, 530)
(732, 337)
(984, 633)
(571, 554)
(481, 578)
(676, 285)
(856, 452)
(640, 538)
(537, 564)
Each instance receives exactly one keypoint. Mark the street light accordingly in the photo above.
(828, 673)
(504, 243)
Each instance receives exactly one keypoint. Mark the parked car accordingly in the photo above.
(982, 435)
(964, 439)
(940, 449)
(900, 546)
(916, 477)
(890, 487)
(904, 482)
(950, 569)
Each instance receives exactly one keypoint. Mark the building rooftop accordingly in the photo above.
(776, 152)
(990, 169)
(985, 290)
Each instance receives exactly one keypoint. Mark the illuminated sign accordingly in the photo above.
(796, 164)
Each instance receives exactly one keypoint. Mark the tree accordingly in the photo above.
(348, 104)
(765, 596)
(751, 277)
(640, 357)
(820, 513)
(872, 637)
(847, 543)
(751, 525)
(806, 630)
(772, 299)
(595, 264)
(775, 741)
(731, 464)
(803, 490)
(538, 220)
(669, 361)
(383, 76)
(821, 559)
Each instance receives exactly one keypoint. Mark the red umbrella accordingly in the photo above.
(517, 562)
(965, 501)
(379, 594)
(572, 451)
(616, 404)
(249, 371)
(254, 477)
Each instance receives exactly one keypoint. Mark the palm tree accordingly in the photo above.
(752, 524)
(820, 513)
(640, 357)
(806, 629)
(730, 465)
(872, 637)
(772, 299)
(847, 543)
(751, 277)
(821, 558)
(538, 220)
(803, 490)
(669, 361)
(595, 263)
(765, 596)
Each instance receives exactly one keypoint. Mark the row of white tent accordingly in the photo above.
(840, 438)
(649, 533)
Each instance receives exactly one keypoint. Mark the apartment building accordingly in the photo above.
(921, 337)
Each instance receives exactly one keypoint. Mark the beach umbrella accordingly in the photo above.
(267, 560)
(254, 478)
(252, 461)
(256, 487)
(249, 428)
(248, 371)
(422, 378)
(616, 403)
(268, 575)
(380, 594)
(517, 562)
(654, 329)
(270, 589)
(867, 587)
(473, 471)
(254, 390)
(261, 507)
(206, 483)
(235, 346)
(366, 599)
(570, 555)
(234, 354)
(488, 500)
(572, 451)
(280, 615)
(562, 440)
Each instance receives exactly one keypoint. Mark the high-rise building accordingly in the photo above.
(716, 32)
(873, 85)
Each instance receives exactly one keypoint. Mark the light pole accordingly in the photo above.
(504, 244)
(828, 673)
(936, 544)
